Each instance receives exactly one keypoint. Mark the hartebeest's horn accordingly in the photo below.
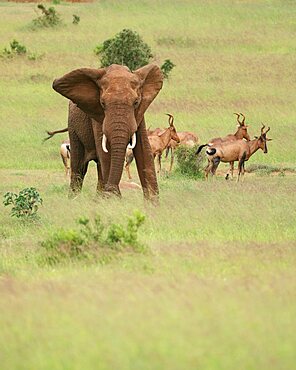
(171, 119)
(238, 114)
(267, 130)
(243, 121)
(262, 128)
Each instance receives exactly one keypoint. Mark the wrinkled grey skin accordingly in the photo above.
(110, 101)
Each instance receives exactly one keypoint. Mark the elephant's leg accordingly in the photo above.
(78, 164)
(145, 163)
(78, 173)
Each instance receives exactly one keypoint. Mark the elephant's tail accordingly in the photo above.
(52, 133)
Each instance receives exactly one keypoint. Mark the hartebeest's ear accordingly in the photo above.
(152, 79)
(82, 87)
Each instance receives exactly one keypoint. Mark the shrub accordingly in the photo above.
(188, 163)
(94, 240)
(76, 19)
(49, 18)
(166, 68)
(25, 204)
(15, 49)
(128, 48)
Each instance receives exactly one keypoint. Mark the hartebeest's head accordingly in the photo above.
(262, 139)
(242, 131)
(174, 135)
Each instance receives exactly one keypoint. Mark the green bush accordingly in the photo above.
(166, 68)
(93, 240)
(49, 18)
(25, 204)
(188, 163)
(15, 49)
(128, 48)
(76, 19)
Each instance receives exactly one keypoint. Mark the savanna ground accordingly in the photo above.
(217, 288)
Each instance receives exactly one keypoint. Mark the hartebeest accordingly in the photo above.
(159, 139)
(160, 142)
(241, 133)
(64, 149)
(239, 150)
(65, 155)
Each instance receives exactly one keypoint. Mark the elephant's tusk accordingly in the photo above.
(104, 142)
(134, 142)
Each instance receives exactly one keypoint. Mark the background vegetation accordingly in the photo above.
(217, 289)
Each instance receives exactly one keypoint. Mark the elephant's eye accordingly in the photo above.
(136, 103)
(103, 104)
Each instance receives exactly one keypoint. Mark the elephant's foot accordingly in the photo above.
(73, 194)
(110, 190)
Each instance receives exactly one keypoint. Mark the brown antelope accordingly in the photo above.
(241, 133)
(65, 155)
(159, 139)
(239, 150)
(160, 142)
(129, 156)
(64, 149)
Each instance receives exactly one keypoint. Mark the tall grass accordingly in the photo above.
(217, 290)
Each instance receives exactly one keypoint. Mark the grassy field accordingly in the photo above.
(216, 289)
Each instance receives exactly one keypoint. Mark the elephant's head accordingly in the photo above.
(117, 99)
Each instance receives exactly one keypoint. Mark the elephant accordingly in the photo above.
(106, 115)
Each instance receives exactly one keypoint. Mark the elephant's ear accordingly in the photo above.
(152, 78)
(82, 87)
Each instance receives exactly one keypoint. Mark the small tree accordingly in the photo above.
(188, 163)
(76, 19)
(49, 18)
(126, 48)
(166, 68)
(25, 204)
(15, 49)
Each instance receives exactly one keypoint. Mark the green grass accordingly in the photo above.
(217, 289)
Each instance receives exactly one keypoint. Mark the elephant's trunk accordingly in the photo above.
(119, 141)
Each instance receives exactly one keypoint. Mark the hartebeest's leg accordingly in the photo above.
(129, 159)
(159, 163)
(216, 162)
(172, 159)
(230, 171)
